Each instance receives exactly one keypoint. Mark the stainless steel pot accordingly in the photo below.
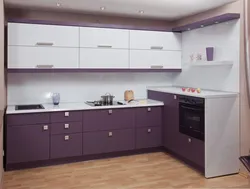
(107, 99)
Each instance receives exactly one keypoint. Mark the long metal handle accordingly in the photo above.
(104, 46)
(44, 66)
(247, 60)
(44, 44)
(156, 67)
(156, 47)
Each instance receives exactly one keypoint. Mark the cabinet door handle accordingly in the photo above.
(66, 137)
(104, 46)
(44, 44)
(110, 134)
(156, 47)
(189, 140)
(156, 67)
(175, 97)
(45, 127)
(44, 66)
(149, 109)
(66, 126)
(110, 112)
(149, 130)
(66, 114)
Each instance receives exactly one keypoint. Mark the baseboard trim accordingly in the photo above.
(244, 174)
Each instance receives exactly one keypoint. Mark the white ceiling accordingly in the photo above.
(163, 9)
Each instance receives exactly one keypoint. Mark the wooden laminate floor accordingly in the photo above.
(147, 171)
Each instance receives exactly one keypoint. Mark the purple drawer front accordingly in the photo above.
(27, 143)
(148, 137)
(59, 117)
(102, 142)
(66, 146)
(28, 119)
(149, 117)
(100, 120)
(66, 128)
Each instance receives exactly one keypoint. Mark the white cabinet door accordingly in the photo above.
(155, 59)
(104, 38)
(43, 57)
(104, 58)
(42, 35)
(155, 40)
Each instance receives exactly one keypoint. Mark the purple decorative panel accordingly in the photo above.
(149, 117)
(66, 146)
(148, 137)
(198, 152)
(73, 70)
(65, 117)
(27, 143)
(109, 119)
(28, 119)
(66, 128)
(108, 141)
(207, 22)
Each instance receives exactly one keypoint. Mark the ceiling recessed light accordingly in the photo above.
(141, 11)
(58, 4)
(102, 8)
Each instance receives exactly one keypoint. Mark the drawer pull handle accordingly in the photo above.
(66, 114)
(110, 112)
(45, 127)
(44, 66)
(156, 47)
(66, 137)
(110, 134)
(66, 126)
(156, 67)
(149, 130)
(149, 109)
(189, 140)
(104, 46)
(175, 97)
(44, 44)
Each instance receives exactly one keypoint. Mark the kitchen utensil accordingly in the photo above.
(107, 99)
(56, 98)
(129, 95)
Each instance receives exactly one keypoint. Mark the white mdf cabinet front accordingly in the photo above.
(155, 59)
(42, 35)
(104, 38)
(104, 58)
(155, 40)
(42, 57)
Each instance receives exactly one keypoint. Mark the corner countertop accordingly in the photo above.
(204, 93)
(83, 106)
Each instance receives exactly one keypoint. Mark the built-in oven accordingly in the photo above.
(192, 116)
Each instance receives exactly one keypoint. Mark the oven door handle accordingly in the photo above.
(194, 109)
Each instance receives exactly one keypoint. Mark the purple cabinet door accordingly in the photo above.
(148, 117)
(27, 143)
(66, 128)
(148, 137)
(99, 120)
(66, 146)
(108, 141)
(28, 119)
(198, 152)
(59, 117)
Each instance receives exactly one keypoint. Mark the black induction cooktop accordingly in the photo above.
(101, 103)
(29, 107)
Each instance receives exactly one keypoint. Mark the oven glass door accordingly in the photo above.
(192, 121)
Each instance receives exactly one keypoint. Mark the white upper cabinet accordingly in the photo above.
(104, 38)
(42, 35)
(155, 40)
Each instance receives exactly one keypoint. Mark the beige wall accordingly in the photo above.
(2, 85)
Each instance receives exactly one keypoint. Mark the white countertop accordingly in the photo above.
(83, 106)
(203, 94)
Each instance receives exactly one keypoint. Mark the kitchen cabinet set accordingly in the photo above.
(46, 137)
(32, 46)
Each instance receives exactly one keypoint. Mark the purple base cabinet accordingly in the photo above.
(27, 143)
(148, 137)
(108, 141)
(66, 146)
(149, 117)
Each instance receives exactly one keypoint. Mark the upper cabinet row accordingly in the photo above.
(49, 46)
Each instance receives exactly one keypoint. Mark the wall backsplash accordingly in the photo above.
(25, 88)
